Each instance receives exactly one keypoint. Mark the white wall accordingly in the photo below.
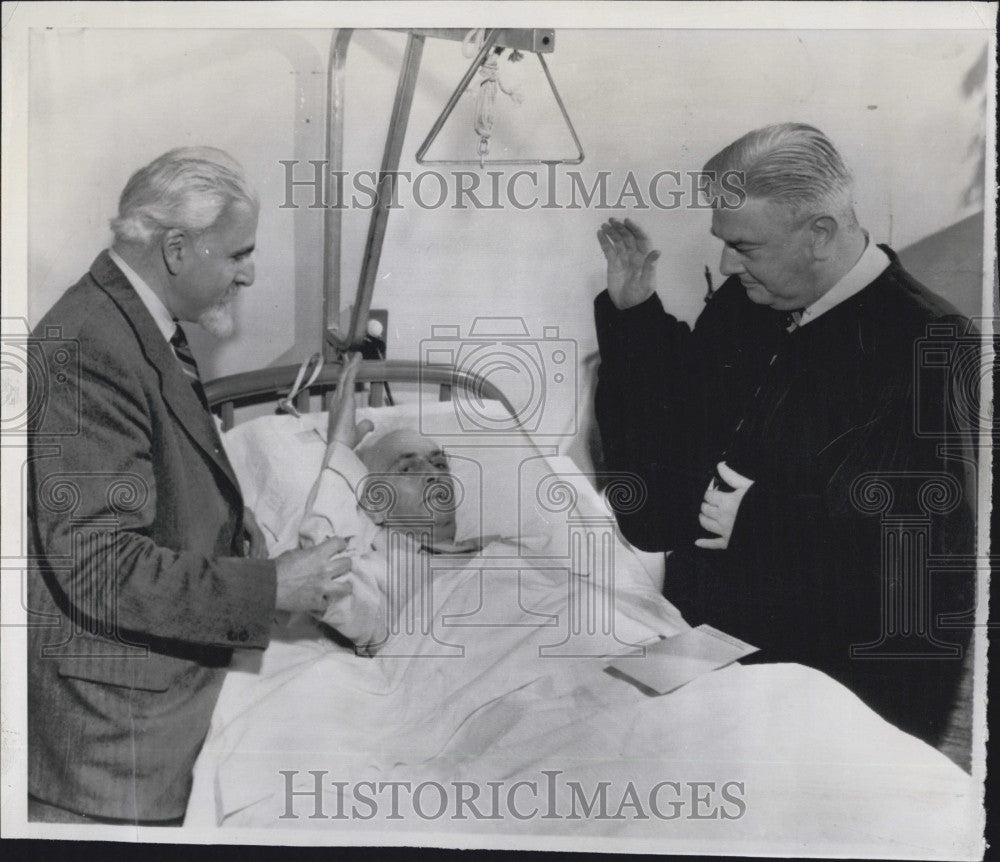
(104, 102)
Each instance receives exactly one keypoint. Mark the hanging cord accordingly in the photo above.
(488, 88)
(486, 102)
(287, 404)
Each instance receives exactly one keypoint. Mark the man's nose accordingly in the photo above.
(246, 273)
(731, 263)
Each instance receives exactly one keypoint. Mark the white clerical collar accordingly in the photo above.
(164, 319)
(870, 265)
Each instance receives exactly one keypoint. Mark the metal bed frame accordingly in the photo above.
(226, 394)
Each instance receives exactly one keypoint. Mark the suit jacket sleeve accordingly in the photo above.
(94, 503)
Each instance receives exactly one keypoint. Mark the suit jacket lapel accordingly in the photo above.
(174, 384)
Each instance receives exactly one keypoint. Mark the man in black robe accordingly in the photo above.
(803, 449)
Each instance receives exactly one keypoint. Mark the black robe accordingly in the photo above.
(856, 431)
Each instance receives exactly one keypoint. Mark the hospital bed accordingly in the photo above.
(483, 694)
(495, 677)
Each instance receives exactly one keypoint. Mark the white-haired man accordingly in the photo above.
(756, 431)
(145, 569)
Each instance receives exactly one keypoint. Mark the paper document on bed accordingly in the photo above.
(675, 661)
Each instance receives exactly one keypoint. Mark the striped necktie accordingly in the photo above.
(182, 351)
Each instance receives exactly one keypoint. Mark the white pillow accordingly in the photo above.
(277, 459)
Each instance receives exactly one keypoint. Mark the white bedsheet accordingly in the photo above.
(815, 766)
(818, 769)
(490, 698)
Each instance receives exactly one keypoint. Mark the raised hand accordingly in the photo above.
(631, 265)
(342, 427)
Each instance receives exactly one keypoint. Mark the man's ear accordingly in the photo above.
(174, 247)
(824, 231)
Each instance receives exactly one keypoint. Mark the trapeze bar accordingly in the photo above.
(481, 57)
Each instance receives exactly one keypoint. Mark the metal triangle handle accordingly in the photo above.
(481, 57)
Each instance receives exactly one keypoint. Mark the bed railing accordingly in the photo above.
(226, 394)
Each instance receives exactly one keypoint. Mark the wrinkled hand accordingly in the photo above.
(719, 508)
(307, 578)
(631, 265)
(342, 427)
(256, 544)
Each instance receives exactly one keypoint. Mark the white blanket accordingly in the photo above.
(509, 687)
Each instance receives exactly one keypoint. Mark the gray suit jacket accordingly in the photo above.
(137, 588)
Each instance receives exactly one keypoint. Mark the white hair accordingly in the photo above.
(187, 188)
(790, 163)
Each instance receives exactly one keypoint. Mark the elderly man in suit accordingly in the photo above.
(782, 436)
(146, 570)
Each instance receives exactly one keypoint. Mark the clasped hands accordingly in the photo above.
(719, 508)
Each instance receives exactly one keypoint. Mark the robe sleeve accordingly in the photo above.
(651, 403)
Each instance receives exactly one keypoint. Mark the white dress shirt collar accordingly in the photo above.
(161, 316)
(872, 263)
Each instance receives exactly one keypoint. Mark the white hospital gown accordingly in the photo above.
(359, 608)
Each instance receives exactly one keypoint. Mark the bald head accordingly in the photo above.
(416, 469)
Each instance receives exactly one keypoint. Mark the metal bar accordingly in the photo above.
(387, 179)
(562, 108)
(274, 382)
(332, 215)
(537, 41)
(484, 52)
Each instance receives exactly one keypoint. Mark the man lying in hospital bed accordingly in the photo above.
(373, 487)
(488, 671)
